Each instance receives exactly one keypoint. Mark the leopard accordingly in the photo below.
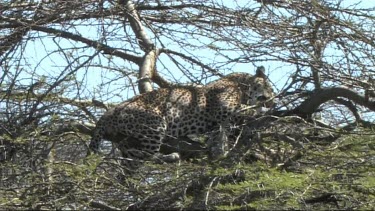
(139, 126)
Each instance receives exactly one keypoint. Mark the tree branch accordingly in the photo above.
(310, 105)
(146, 71)
(160, 81)
(135, 23)
(11, 40)
(148, 63)
(97, 45)
(194, 61)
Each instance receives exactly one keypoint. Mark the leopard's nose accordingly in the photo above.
(262, 98)
(265, 101)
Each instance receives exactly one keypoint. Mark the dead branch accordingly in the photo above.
(310, 105)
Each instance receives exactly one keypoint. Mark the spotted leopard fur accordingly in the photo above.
(141, 124)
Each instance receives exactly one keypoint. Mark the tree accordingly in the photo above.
(64, 62)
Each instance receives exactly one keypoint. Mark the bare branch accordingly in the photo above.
(146, 71)
(97, 45)
(311, 104)
(135, 23)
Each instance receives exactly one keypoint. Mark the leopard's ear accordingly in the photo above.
(260, 72)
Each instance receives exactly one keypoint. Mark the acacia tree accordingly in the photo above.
(63, 63)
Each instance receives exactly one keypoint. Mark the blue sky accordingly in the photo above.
(45, 59)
